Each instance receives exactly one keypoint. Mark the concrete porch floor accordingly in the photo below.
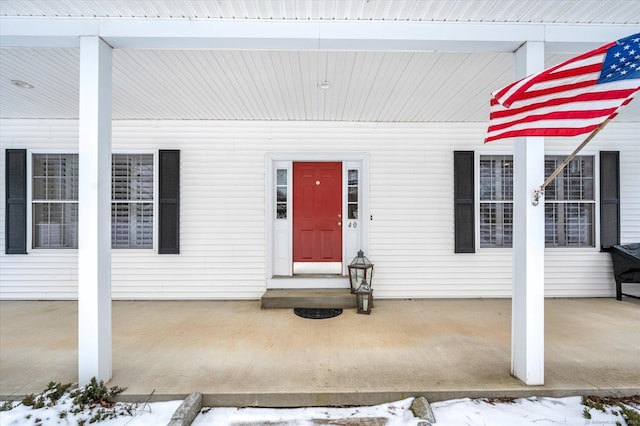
(237, 354)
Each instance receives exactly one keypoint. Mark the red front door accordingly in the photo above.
(317, 212)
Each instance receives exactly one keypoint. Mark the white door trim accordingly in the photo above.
(284, 277)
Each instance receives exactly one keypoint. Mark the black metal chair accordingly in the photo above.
(626, 266)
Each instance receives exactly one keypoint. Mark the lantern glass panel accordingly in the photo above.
(360, 269)
(364, 298)
(363, 303)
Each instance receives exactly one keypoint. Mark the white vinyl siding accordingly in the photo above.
(224, 232)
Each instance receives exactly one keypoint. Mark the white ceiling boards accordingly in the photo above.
(385, 61)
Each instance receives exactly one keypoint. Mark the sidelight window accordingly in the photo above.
(281, 194)
(352, 193)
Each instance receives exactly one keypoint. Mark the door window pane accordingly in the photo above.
(281, 193)
(352, 194)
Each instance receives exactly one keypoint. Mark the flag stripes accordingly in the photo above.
(568, 99)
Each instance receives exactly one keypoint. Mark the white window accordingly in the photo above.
(132, 201)
(496, 200)
(569, 202)
(55, 200)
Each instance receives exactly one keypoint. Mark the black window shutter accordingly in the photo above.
(169, 202)
(609, 199)
(464, 209)
(16, 201)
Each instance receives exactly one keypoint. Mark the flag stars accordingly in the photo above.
(622, 61)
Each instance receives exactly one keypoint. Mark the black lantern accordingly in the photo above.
(364, 298)
(360, 270)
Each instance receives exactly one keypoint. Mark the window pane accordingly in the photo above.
(496, 190)
(282, 194)
(143, 223)
(39, 167)
(119, 225)
(353, 211)
(132, 225)
(496, 177)
(281, 211)
(39, 188)
(353, 194)
(55, 179)
(570, 224)
(40, 225)
(575, 181)
(496, 224)
(70, 223)
(282, 177)
(132, 177)
(55, 225)
(132, 183)
(55, 176)
(352, 177)
(68, 188)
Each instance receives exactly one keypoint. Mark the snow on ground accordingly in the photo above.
(153, 414)
(524, 411)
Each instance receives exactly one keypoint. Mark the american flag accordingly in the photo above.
(569, 99)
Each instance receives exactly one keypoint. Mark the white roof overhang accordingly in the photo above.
(314, 35)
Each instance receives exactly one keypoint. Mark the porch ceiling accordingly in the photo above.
(245, 84)
(523, 11)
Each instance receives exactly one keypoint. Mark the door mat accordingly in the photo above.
(317, 313)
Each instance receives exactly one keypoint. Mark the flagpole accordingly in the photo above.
(539, 192)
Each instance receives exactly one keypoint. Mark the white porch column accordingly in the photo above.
(527, 327)
(94, 210)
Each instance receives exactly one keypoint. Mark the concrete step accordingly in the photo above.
(308, 298)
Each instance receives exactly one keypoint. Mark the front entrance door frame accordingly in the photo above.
(284, 278)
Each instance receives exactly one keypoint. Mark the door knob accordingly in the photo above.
(339, 223)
